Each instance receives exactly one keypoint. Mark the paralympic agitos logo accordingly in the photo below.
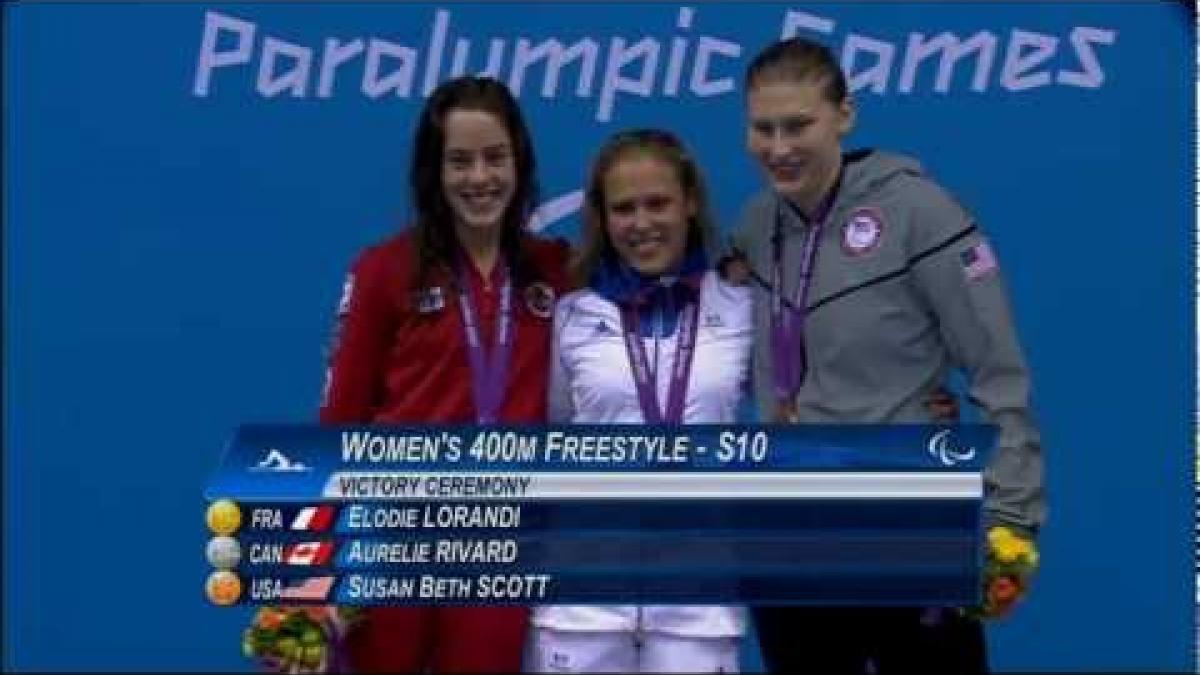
(942, 447)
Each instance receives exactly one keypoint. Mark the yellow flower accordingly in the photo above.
(999, 534)
(1008, 547)
(1006, 551)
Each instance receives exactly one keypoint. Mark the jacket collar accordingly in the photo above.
(619, 283)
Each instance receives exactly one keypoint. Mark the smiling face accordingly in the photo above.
(479, 173)
(795, 133)
(647, 213)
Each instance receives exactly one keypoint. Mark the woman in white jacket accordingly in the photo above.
(649, 298)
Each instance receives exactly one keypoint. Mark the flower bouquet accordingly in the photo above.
(1009, 566)
(299, 639)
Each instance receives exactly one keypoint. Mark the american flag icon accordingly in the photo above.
(310, 588)
(978, 261)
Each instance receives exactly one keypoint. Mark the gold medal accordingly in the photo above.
(224, 517)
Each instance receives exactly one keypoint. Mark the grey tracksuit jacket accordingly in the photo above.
(905, 289)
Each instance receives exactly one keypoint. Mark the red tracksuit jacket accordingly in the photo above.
(399, 355)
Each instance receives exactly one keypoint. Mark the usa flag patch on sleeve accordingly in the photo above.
(978, 261)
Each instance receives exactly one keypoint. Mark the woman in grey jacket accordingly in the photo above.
(871, 285)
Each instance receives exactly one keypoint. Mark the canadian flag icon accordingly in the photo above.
(313, 519)
(308, 553)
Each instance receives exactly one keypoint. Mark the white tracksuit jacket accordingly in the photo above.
(591, 383)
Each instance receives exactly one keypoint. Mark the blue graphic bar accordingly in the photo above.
(306, 462)
(633, 552)
(284, 520)
(866, 585)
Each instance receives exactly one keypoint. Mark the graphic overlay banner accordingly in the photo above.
(884, 515)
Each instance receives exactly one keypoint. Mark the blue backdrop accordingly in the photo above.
(185, 185)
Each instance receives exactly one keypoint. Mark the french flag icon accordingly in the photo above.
(313, 519)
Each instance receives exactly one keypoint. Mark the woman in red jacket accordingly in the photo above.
(449, 322)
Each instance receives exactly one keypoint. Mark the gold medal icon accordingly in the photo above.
(224, 517)
(223, 588)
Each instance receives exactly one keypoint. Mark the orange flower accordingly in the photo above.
(269, 618)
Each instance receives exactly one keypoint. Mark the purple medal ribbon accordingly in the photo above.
(787, 329)
(488, 377)
(338, 660)
(680, 372)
